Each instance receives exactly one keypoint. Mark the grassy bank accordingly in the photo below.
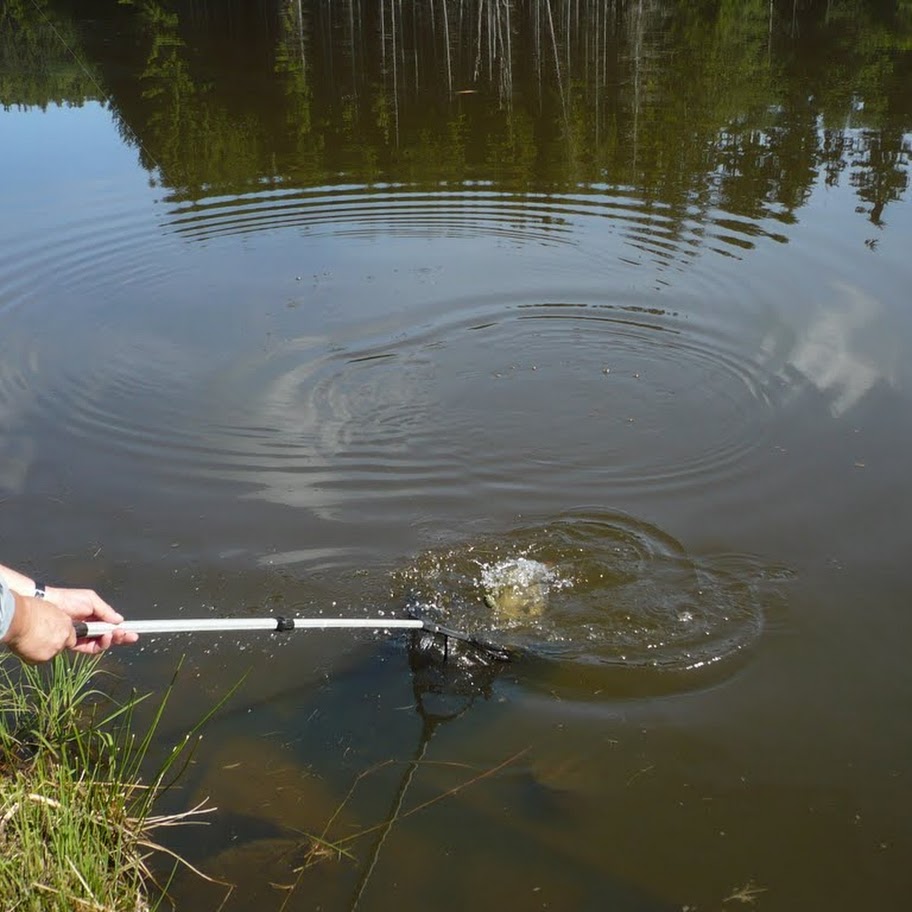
(76, 822)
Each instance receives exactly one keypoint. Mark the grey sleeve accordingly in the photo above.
(7, 608)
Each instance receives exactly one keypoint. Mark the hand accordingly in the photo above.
(87, 605)
(39, 630)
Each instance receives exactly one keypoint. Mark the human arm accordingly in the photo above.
(34, 629)
(38, 628)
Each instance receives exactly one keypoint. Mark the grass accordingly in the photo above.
(76, 822)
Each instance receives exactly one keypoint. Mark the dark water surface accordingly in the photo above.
(334, 308)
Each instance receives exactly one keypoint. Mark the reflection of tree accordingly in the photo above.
(880, 169)
(184, 129)
(291, 66)
(857, 83)
(41, 60)
(732, 105)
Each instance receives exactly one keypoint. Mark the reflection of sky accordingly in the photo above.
(842, 349)
(843, 326)
(68, 150)
(321, 418)
(54, 165)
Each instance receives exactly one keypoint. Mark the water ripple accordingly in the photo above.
(622, 596)
(663, 232)
(493, 395)
(114, 241)
(483, 400)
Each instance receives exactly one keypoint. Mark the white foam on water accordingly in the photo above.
(517, 572)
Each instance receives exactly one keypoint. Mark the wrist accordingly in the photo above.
(7, 609)
(17, 581)
(20, 619)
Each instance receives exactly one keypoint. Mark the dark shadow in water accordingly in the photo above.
(445, 692)
(444, 689)
(346, 728)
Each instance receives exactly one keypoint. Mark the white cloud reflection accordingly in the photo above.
(843, 349)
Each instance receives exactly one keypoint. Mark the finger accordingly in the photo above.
(102, 610)
(78, 612)
(86, 647)
(92, 645)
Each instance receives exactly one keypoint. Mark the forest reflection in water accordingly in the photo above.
(740, 107)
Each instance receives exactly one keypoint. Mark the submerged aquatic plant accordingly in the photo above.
(76, 822)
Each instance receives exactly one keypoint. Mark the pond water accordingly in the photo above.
(583, 327)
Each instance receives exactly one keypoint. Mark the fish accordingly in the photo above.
(516, 589)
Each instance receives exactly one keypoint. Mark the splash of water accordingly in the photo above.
(595, 590)
(517, 589)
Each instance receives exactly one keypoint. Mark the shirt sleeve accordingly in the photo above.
(7, 608)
